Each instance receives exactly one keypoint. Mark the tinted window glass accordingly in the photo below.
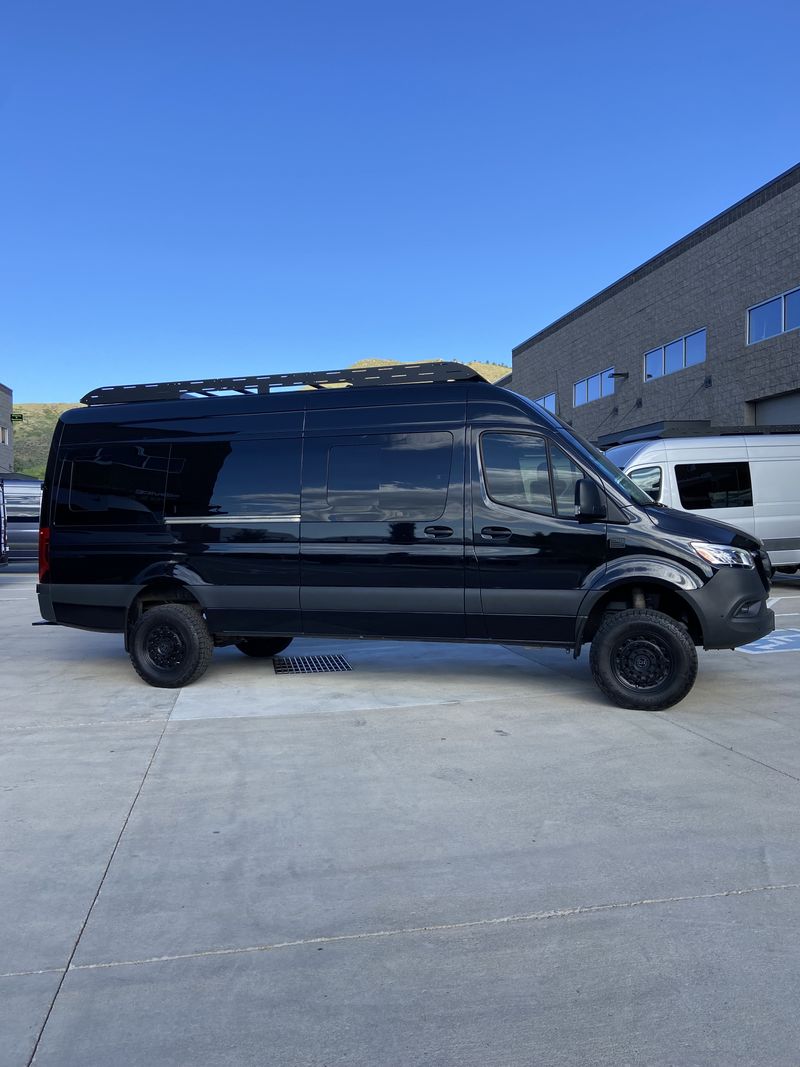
(623, 454)
(112, 485)
(244, 479)
(608, 382)
(654, 363)
(391, 476)
(793, 310)
(714, 485)
(649, 479)
(565, 475)
(765, 320)
(580, 392)
(593, 387)
(516, 471)
(696, 348)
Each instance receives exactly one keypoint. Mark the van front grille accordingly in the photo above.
(323, 664)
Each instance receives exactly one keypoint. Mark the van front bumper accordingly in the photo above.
(732, 608)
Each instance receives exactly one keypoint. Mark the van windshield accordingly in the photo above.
(603, 464)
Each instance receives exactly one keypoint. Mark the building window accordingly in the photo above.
(778, 315)
(3, 435)
(594, 387)
(686, 351)
(548, 402)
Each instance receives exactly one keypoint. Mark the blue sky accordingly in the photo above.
(203, 188)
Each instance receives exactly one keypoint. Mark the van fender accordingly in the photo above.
(166, 572)
(162, 573)
(678, 579)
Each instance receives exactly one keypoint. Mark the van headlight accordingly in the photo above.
(722, 555)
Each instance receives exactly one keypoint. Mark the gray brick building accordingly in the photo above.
(703, 336)
(6, 437)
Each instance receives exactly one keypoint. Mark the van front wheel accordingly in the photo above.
(170, 646)
(643, 659)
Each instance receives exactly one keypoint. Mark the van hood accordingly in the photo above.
(693, 527)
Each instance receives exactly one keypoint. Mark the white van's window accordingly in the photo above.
(23, 502)
(649, 479)
(382, 477)
(714, 485)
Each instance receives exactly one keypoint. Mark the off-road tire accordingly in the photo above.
(263, 647)
(643, 659)
(170, 646)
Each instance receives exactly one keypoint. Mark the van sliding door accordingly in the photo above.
(382, 533)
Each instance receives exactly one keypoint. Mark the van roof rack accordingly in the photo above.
(260, 384)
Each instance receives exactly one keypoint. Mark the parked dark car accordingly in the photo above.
(23, 504)
(419, 502)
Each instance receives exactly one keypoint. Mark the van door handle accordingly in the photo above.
(439, 531)
(496, 533)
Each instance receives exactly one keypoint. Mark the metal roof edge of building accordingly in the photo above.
(762, 195)
(6, 389)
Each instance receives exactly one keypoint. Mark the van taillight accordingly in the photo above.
(44, 553)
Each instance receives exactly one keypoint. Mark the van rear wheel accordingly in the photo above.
(643, 659)
(263, 647)
(170, 646)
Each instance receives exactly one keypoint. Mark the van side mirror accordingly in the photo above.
(589, 501)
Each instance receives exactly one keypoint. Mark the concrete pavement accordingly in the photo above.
(446, 856)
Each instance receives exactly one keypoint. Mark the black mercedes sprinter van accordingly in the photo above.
(413, 502)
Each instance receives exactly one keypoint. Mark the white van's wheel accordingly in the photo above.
(643, 659)
(263, 647)
(170, 646)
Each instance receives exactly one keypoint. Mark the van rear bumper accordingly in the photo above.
(88, 607)
(732, 608)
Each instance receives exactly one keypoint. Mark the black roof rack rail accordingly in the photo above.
(260, 384)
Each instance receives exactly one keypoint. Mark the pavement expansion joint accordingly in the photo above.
(88, 915)
(728, 748)
(82, 725)
(371, 935)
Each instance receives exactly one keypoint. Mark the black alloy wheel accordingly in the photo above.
(170, 645)
(643, 659)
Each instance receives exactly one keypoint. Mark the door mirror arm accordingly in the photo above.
(590, 501)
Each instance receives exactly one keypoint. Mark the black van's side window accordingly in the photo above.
(112, 485)
(565, 475)
(389, 476)
(516, 470)
(714, 485)
(244, 479)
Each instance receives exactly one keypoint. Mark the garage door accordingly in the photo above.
(778, 410)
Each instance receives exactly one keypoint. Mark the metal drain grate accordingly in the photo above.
(310, 664)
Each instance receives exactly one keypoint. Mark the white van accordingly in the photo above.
(3, 537)
(750, 481)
